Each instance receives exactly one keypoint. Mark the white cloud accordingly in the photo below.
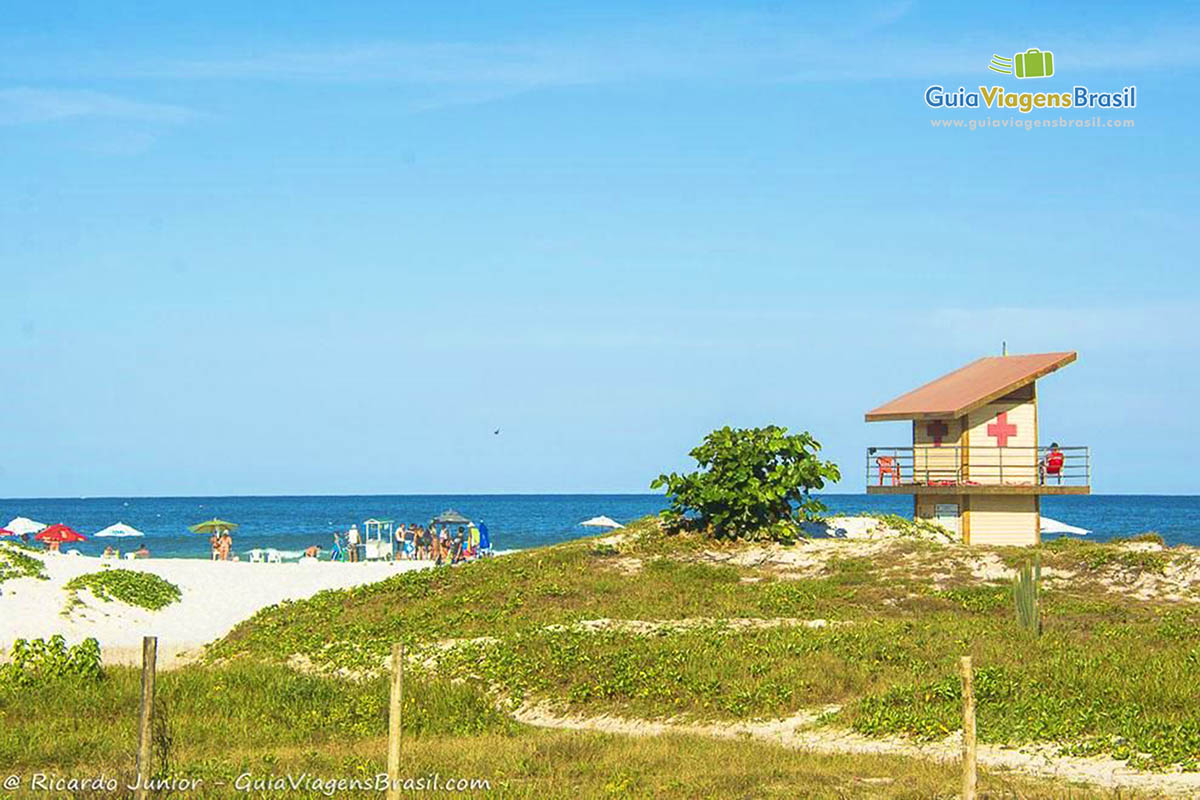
(23, 105)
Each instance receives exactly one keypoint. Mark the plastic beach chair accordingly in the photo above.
(888, 466)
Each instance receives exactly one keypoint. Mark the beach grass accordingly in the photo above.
(218, 722)
(1111, 674)
(665, 627)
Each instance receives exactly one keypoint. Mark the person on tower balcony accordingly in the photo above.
(1052, 464)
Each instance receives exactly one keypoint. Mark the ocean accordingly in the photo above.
(290, 524)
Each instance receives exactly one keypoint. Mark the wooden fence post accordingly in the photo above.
(146, 716)
(394, 712)
(968, 743)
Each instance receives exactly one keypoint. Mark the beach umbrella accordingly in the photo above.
(212, 526)
(23, 525)
(602, 522)
(1054, 526)
(451, 517)
(60, 533)
(120, 529)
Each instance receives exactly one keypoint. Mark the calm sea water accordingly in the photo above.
(291, 524)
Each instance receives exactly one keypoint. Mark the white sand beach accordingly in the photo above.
(215, 597)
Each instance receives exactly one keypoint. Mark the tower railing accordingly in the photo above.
(954, 465)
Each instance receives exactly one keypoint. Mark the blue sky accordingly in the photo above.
(265, 248)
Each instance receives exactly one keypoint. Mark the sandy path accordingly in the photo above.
(799, 732)
(215, 597)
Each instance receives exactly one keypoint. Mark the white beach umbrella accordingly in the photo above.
(23, 525)
(602, 522)
(120, 529)
(1054, 526)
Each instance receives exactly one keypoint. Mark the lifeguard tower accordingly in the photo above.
(975, 465)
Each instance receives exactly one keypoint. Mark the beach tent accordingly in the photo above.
(601, 522)
(23, 525)
(120, 529)
(451, 517)
(213, 525)
(60, 533)
(1054, 526)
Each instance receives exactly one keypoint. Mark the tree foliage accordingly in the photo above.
(751, 483)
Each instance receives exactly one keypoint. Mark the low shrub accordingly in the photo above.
(38, 660)
(978, 599)
(142, 589)
(16, 564)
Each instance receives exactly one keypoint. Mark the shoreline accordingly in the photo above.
(215, 597)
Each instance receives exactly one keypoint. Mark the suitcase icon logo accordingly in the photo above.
(1033, 63)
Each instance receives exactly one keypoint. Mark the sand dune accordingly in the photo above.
(215, 597)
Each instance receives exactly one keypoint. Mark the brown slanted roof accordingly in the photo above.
(970, 387)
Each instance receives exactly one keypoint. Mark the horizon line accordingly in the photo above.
(465, 494)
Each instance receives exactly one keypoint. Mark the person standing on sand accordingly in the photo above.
(214, 542)
(401, 535)
(352, 542)
(226, 545)
(456, 547)
(472, 540)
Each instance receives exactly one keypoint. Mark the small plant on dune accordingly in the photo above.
(919, 528)
(142, 589)
(16, 564)
(1026, 596)
(38, 660)
(1149, 537)
(752, 483)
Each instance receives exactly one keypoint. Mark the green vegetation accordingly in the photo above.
(1026, 590)
(752, 483)
(1110, 674)
(1094, 557)
(216, 722)
(978, 599)
(16, 564)
(907, 526)
(142, 589)
(40, 661)
(646, 625)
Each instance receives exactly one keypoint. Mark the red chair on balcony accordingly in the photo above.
(888, 466)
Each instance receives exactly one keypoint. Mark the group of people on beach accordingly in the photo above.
(115, 552)
(441, 544)
(221, 543)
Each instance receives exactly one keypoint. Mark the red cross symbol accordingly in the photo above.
(1002, 429)
(937, 429)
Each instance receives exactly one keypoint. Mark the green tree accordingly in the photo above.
(752, 483)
